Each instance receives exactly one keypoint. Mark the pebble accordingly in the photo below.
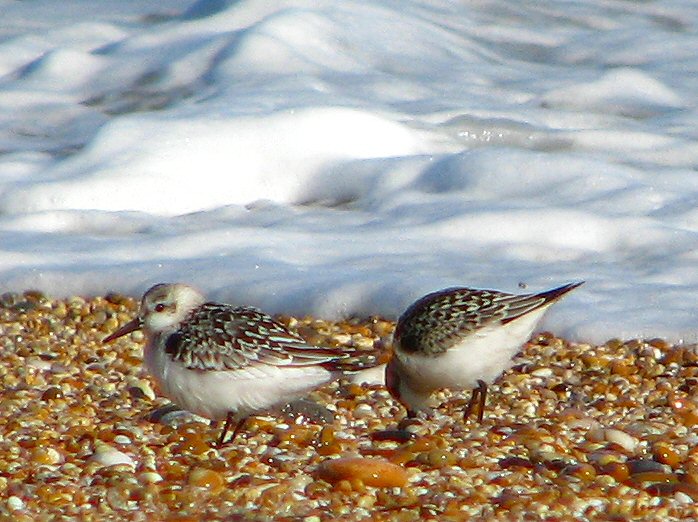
(607, 432)
(636, 466)
(683, 498)
(363, 410)
(48, 456)
(108, 456)
(150, 477)
(206, 478)
(622, 439)
(665, 454)
(370, 471)
(15, 503)
(173, 416)
(305, 409)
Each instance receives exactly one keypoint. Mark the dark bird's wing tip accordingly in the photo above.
(556, 293)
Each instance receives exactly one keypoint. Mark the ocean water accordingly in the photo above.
(345, 158)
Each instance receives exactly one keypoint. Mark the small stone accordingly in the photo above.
(584, 472)
(15, 503)
(637, 466)
(622, 439)
(622, 368)
(172, 416)
(150, 477)
(307, 409)
(437, 458)
(108, 456)
(363, 410)
(46, 456)
(371, 471)
(53, 392)
(401, 436)
(665, 454)
(682, 498)
(653, 477)
(117, 299)
(206, 478)
(139, 388)
(515, 462)
(618, 470)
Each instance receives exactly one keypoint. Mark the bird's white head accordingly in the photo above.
(163, 308)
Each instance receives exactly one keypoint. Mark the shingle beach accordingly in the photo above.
(573, 431)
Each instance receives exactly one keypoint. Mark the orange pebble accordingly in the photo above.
(617, 470)
(206, 478)
(619, 367)
(585, 472)
(690, 418)
(665, 454)
(371, 471)
(653, 477)
(424, 444)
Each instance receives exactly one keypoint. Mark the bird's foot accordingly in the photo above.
(477, 399)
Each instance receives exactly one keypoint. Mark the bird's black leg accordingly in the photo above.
(229, 420)
(226, 427)
(483, 399)
(241, 424)
(479, 396)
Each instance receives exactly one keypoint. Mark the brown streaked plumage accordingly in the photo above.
(227, 363)
(461, 338)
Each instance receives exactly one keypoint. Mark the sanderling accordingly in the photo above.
(461, 338)
(228, 363)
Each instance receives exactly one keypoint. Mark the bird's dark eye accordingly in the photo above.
(159, 307)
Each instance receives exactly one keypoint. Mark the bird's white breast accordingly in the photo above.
(483, 355)
(213, 394)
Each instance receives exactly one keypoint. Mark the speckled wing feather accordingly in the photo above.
(441, 319)
(222, 337)
(356, 360)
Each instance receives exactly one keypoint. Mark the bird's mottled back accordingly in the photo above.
(227, 362)
(442, 319)
(221, 337)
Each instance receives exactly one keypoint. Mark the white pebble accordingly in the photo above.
(39, 364)
(150, 477)
(542, 372)
(362, 410)
(681, 498)
(52, 456)
(15, 503)
(122, 439)
(584, 423)
(108, 456)
(625, 441)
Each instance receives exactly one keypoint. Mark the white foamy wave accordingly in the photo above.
(338, 159)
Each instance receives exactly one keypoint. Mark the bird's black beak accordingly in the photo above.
(129, 327)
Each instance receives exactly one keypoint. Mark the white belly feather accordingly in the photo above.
(213, 394)
(484, 355)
